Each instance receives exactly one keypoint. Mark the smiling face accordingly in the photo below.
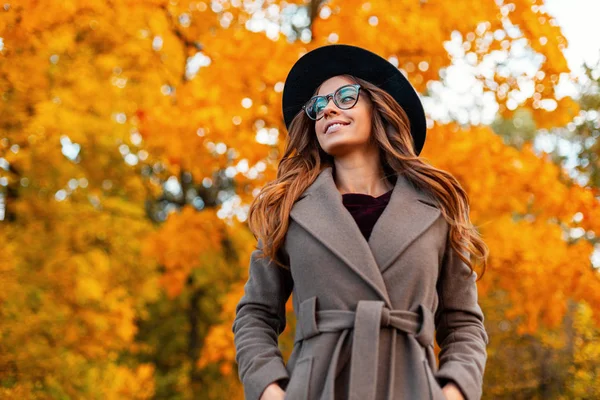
(354, 133)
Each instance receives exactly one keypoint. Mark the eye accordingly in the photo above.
(347, 95)
(320, 104)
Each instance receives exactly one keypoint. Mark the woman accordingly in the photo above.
(369, 288)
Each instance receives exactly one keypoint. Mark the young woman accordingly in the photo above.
(374, 243)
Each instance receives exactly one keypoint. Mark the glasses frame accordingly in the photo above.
(330, 96)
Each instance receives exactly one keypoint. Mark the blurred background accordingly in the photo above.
(134, 135)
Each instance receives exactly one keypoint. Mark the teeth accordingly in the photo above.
(331, 126)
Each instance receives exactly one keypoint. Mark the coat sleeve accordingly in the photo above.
(260, 319)
(460, 332)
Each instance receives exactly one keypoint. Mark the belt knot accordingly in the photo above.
(366, 321)
(385, 317)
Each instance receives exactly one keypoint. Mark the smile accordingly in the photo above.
(334, 127)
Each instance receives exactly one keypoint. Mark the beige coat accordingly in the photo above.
(366, 311)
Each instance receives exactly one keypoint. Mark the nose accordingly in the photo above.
(330, 108)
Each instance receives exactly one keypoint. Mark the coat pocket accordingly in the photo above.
(434, 389)
(299, 384)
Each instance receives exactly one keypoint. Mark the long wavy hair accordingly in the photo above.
(304, 159)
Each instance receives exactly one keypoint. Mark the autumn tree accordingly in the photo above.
(135, 135)
(563, 359)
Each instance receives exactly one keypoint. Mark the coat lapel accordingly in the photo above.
(408, 214)
(321, 212)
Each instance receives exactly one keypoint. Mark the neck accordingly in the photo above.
(361, 175)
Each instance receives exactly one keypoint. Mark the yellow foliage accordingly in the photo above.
(585, 369)
(96, 95)
(197, 233)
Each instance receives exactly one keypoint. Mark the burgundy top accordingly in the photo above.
(365, 209)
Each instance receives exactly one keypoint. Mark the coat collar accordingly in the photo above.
(408, 214)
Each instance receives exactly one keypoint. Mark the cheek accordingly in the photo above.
(318, 125)
(364, 121)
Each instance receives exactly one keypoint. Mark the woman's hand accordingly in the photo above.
(273, 392)
(452, 392)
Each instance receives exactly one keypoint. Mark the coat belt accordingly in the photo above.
(368, 319)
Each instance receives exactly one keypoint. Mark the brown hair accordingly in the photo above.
(304, 159)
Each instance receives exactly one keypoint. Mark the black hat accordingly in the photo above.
(325, 62)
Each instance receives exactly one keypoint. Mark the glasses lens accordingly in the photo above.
(315, 107)
(346, 97)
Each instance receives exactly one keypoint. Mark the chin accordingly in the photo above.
(343, 147)
(338, 150)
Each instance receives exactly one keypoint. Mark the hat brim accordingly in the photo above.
(325, 62)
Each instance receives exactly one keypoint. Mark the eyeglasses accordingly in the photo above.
(344, 97)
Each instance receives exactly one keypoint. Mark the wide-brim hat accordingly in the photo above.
(325, 62)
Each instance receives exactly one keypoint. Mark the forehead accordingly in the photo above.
(331, 84)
